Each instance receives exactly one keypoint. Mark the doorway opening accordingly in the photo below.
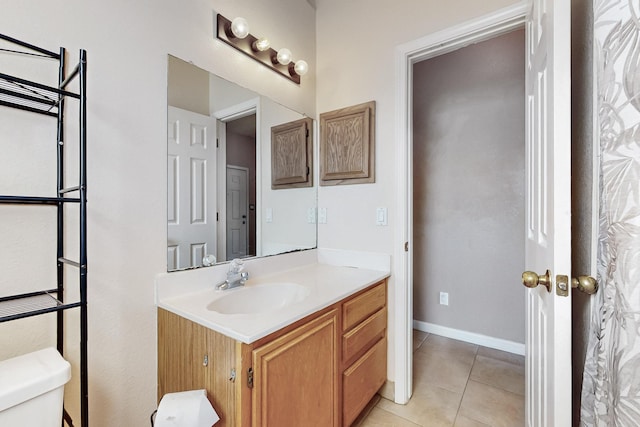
(448, 40)
(240, 188)
(468, 155)
(468, 192)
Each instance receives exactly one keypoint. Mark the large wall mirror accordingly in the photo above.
(220, 200)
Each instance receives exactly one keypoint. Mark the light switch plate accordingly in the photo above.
(322, 215)
(311, 215)
(381, 216)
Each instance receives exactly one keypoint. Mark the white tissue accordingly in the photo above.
(186, 409)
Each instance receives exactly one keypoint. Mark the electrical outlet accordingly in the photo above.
(444, 298)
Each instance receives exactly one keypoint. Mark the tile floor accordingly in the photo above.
(456, 384)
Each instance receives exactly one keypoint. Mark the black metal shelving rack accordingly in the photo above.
(41, 99)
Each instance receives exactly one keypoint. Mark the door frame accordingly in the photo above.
(473, 31)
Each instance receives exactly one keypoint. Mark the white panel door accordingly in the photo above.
(548, 216)
(237, 207)
(191, 184)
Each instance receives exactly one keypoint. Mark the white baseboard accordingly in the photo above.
(470, 337)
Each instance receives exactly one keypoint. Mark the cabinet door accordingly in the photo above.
(296, 378)
(182, 346)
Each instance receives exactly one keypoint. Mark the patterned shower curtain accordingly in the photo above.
(611, 389)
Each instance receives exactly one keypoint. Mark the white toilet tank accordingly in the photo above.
(32, 389)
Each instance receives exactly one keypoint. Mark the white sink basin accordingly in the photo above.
(258, 298)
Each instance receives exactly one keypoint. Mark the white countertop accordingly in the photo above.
(326, 284)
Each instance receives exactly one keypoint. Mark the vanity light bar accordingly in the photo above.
(246, 46)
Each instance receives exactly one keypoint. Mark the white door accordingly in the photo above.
(237, 207)
(548, 212)
(191, 169)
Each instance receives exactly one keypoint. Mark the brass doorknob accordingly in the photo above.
(531, 280)
(586, 284)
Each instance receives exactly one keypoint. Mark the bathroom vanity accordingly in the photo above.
(318, 361)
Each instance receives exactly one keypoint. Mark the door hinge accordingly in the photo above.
(217, 216)
(406, 246)
(217, 143)
(307, 133)
(250, 377)
(308, 170)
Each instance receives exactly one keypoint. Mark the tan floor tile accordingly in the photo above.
(500, 374)
(442, 369)
(448, 345)
(501, 355)
(429, 406)
(462, 421)
(492, 406)
(381, 418)
(418, 338)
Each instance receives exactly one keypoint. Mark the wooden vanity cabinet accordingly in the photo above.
(192, 357)
(364, 350)
(320, 371)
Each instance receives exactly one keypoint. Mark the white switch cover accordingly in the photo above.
(311, 215)
(381, 216)
(444, 298)
(322, 215)
(268, 216)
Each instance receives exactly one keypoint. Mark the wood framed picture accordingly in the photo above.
(347, 145)
(292, 155)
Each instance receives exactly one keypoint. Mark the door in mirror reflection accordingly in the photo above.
(237, 207)
(191, 210)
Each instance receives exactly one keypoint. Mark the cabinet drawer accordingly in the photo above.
(362, 380)
(367, 332)
(364, 305)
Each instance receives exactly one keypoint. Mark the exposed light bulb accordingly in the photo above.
(301, 67)
(240, 27)
(261, 44)
(284, 56)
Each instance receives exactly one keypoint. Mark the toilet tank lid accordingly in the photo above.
(30, 375)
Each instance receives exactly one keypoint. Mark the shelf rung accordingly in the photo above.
(69, 190)
(31, 305)
(30, 46)
(21, 200)
(27, 108)
(70, 262)
(71, 76)
(35, 85)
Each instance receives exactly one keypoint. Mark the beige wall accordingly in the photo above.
(356, 48)
(188, 86)
(127, 44)
(468, 176)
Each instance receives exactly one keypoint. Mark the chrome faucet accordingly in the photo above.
(235, 276)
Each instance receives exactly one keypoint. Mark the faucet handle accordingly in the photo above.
(236, 266)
